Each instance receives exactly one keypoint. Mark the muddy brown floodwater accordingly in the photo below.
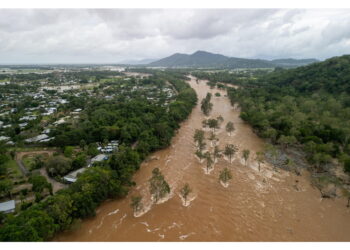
(256, 206)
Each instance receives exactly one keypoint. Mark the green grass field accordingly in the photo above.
(13, 167)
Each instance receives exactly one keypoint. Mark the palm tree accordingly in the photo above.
(260, 157)
(216, 153)
(230, 127)
(225, 175)
(230, 150)
(245, 155)
(185, 191)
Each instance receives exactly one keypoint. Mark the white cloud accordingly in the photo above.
(112, 35)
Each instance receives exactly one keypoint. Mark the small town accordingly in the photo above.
(38, 106)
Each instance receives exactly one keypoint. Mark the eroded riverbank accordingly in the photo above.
(256, 206)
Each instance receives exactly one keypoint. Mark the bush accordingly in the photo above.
(347, 165)
(58, 166)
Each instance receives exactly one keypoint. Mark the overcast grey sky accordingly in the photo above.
(114, 35)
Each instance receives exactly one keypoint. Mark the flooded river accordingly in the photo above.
(256, 206)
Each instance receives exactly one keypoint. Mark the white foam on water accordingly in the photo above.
(154, 230)
(225, 185)
(182, 237)
(120, 221)
(189, 164)
(164, 199)
(173, 225)
(208, 171)
(114, 212)
(144, 223)
(189, 200)
(101, 223)
(200, 161)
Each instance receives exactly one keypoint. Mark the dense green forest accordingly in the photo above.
(306, 107)
(140, 126)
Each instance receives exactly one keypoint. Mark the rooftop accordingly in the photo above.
(7, 206)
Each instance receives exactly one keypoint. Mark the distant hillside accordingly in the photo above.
(332, 75)
(290, 62)
(138, 62)
(203, 59)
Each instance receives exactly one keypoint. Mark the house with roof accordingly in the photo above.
(8, 206)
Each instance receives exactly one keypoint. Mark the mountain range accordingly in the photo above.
(203, 59)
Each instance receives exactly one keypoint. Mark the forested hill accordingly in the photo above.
(307, 108)
(332, 75)
(203, 59)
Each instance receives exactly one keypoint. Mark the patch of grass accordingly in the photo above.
(28, 161)
(13, 167)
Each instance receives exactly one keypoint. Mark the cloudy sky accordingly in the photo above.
(115, 35)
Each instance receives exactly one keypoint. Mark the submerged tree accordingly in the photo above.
(209, 161)
(230, 151)
(185, 191)
(213, 124)
(225, 175)
(159, 188)
(198, 136)
(136, 203)
(230, 127)
(216, 153)
(200, 155)
(213, 139)
(260, 157)
(245, 155)
(205, 123)
(220, 119)
(206, 105)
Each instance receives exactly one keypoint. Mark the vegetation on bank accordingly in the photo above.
(307, 107)
(140, 126)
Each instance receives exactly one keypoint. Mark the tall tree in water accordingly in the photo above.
(136, 203)
(216, 153)
(199, 140)
(198, 136)
(225, 176)
(159, 188)
(205, 123)
(213, 124)
(245, 155)
(206, 105)
(185, 191)
(213, 139)
(200, 155)
(230, 151)
(209, 161)
(230, 127)
(220, 119)
(260, 157)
